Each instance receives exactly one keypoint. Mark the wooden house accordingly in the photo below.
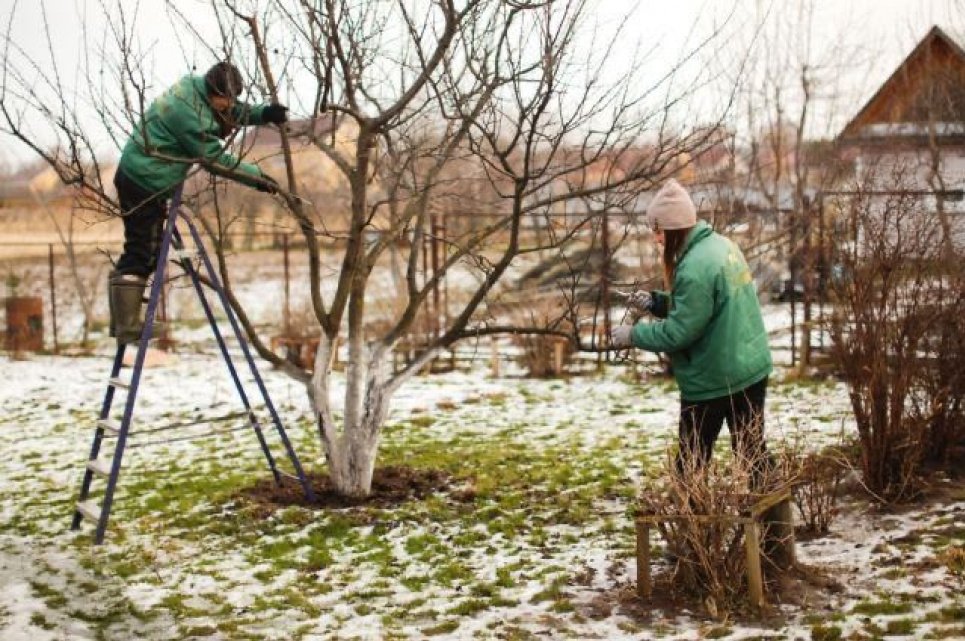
(910, 136)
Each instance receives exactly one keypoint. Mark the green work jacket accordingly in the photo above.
(180, 129)
(710, 323)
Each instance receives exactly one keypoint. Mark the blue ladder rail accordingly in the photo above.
(107, 427)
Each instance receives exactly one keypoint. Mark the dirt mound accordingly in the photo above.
(390, 486)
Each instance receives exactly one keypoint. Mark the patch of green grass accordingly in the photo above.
(445, 627)
(54, 599)
(902, 627)
(718, 633)
(826, 633)
(38, 619)
(874, 608)
(452, 572)
(469, 607)
(553, 592)
(953, 613)
(199, 631)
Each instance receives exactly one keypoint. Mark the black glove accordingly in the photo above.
(275, 114)
(267, 184)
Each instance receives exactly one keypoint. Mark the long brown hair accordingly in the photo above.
(674, 240)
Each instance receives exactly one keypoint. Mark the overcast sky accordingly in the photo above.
(884, 31)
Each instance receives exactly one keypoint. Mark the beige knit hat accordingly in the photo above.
(672, 208)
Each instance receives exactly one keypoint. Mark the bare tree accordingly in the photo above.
(522, 95)
(792, 93)
(86, 288)
(897, 336)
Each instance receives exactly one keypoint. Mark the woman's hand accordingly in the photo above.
(620, 337)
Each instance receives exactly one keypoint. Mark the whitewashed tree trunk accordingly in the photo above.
(352, 447)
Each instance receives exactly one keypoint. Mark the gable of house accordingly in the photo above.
(925, 96)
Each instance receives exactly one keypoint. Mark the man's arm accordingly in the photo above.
(248, 115)
(693, 307)
(245, 115)
(200, 146)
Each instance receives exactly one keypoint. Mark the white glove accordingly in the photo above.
(640, 301)
(620, 337)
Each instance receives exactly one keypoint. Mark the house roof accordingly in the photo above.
(936, 64)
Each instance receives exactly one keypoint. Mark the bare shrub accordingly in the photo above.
(538, 352)
(702, 507)
(897, 337)
(938, 401)
(816, 479)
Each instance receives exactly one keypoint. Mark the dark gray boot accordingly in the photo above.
(126, 296)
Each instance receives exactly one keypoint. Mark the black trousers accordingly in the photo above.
(144, 214)
(701, 422)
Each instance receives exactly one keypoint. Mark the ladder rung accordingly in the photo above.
(119, 382)
(181, 254)
(109, 425)
(89, 510)
(100, 466)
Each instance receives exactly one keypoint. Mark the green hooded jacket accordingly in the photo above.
(179, 129)
(711, 322)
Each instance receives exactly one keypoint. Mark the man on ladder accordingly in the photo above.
(184, 125)
(180, 128)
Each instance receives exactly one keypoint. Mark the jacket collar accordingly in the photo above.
(201, 88)
(700, 231)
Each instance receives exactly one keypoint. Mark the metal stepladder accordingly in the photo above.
(110, 468)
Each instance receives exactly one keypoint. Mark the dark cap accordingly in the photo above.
(224, 79)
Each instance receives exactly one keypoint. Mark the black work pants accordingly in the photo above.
(701, 422)
(144, 215)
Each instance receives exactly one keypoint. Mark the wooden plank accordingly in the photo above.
(109, 425)
(118, 382)
(494, 358)
(654, 519)
(90, 511)
(755, 580)
(644, 586)
(768, 501)
(100, 466)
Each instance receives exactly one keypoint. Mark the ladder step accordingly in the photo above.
(177, 255)
(89, 510)
(119, 382)
(109, 425)
(100, 466)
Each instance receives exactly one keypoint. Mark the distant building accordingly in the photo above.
(910, 136)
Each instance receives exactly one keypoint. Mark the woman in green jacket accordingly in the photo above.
(710, 324)
(181, 127)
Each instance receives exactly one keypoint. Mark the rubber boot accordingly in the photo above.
(126, 296)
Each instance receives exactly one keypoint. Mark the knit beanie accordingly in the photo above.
(672, 208)
(224, 79)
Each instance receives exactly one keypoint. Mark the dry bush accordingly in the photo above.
(816, 479)
(897, 338)
(708, 553)
(538, 351)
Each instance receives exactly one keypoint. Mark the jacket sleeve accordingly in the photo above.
(661, 303)
(247, 115)
(199, 145)
(693, 306)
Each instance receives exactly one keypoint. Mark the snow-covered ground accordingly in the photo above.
(550, 468)
(532, 538)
